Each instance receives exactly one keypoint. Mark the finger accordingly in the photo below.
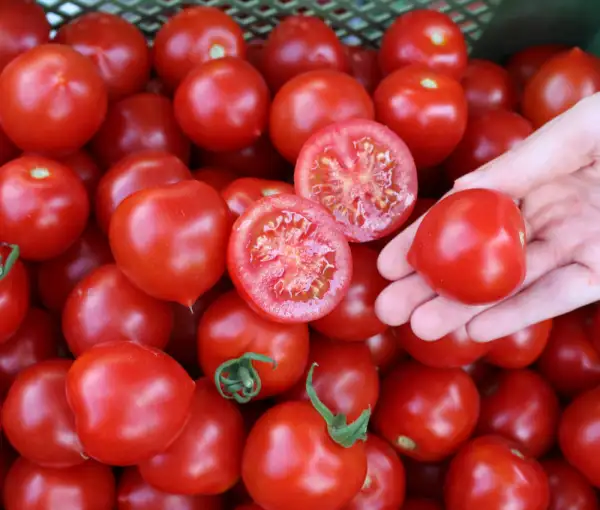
(397, 301)
(392, 263)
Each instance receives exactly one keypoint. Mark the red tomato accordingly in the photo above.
(569, 490)
(36, 417)
(424, 37)
(523, 65)
(139, 122)
(254, 53)
(482, 374)
(490, 472)
(520, 349)
(362, 173)
(171, 241)
(243, 192)
(85, 167)
(426, 413)
(37, 83)
(216, 178)
(229, 329)
(385, 350)
(561, 82)
(135, 494)
(57, 277)
(14, 293)
(488, 86)
(157, 86)
(122, 417)
(299, 44)
(8, 150)
(332, 96)
(137, 171)
(428, 110)
(116, 47)
(288, 259)
(421, 504)
(425, 479)
(594, 330)
(89, 486)
(194, 36)
(354, 318)
(134, 316)
(364, 66)
(385, 482)
(471, 247)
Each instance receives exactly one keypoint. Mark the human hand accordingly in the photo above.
(555, 174)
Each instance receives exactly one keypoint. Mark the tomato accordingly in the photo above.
(421, 504)
(137, 171)
(60, 76)
(561, 82)
(520, 349)
(194, 36)
(134, 316)
(523, 65)
(288, 259)
(426, 413)
(364, 66)
(139, 122)
(229, 329)
(488, 86)
(594, 329)
(452, 351)
(425, 479)
(254, 53)
(384, 485)
(385, 350)
(428, 110)
(471, 247)
(89, 486)
(117, 48)
(333, 97)
(216, 178)
(14, 292)
(362, 173)
(569, 490)
(250, 506)
(57, 277)
(487, 136)
(243, 192)
(8, 150)
(86, 169)
(482, 373)
(135, 494)
(424, 37)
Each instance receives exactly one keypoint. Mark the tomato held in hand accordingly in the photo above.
(130, 401)
(471, 247)
(488, 86)
(242, 193)
(171, 241)
(362, 173)
(523, 65)
(385, 350)
(288, 259)
(14, 292)
(364, 66)
(569, 490)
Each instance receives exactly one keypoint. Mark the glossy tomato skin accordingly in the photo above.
(485, 259)
(488, 86)
(151, 257)
(116, 47)
(194, 36)
(120, 419)
(364, 66)
(426, 413)
(385, 350)
(8, 150)
(86, 169)
(276, 466)
(333, 96)
(14, 299)
(216, 178)
(243, 192)
(489, 472)
(424, 37)
(428, 110)
(523, 65)
(569, 490)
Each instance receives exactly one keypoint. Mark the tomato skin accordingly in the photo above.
(492, 231)
(243, 192)
(428, 110)
(426, 413)
(86, 169)
(385, 350)
(276, 466)
(424, 37)
(216, 178)
(14, 299)
(488, 86)
(8, 150)
(333, 97)
(594, 329)
(523, 65)
(421, 504)
(119, 420)
(364, 66)
(569, 490)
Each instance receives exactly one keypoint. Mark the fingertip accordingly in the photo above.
(424, 326)
(386, 310)
(397, 301)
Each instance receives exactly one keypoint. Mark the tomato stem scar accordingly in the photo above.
(6, 265)
(237, 379)
(406, 443)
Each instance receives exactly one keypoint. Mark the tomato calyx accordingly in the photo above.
(6, 265)
(343, 433)
(237, 379)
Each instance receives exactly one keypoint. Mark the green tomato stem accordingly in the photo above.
(6, 266)
(237, 379)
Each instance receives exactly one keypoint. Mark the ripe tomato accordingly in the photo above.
(560, 83)
(117, 48)
(137, 171)
(287, 258)
(362, 173)
(462, 237)
(299, 44)
(229, 329)
(121, 419)
(354, 318)
(487, 136)
(594, 330)
(86, 169)
(14, 292)
(452, 351)
(425, 479)
(428, 110)
(216, 178)
(194, 36)
(364, 66)
(8, 150)
(139, 122)
(89, 486)
(385, 350)
(490, 472)
(481, 373)
(523, 65)
(569, 490)
(332, 96)
(488, 86)
(424, 37)
(421, 504)
(134, 316)
(254, 53)
(170, 241)
(243, 192)
(36, 417)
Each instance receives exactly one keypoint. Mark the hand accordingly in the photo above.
(555, 174)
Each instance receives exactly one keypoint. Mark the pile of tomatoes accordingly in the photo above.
(189, 234)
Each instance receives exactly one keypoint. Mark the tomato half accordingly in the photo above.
(14, 293)
(488, 86)
(569, 490)
(523, 65)
(243, 192)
